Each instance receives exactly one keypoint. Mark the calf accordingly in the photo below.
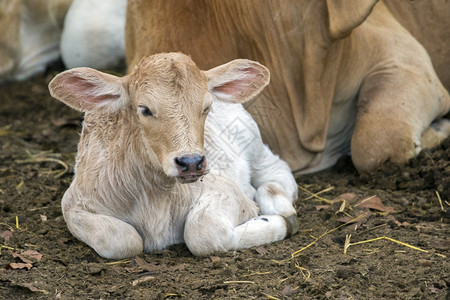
(168, 154)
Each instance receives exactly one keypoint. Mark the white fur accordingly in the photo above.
(93, 34)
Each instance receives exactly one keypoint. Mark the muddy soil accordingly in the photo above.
(396, 215)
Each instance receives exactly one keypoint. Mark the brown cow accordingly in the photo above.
(346, 75)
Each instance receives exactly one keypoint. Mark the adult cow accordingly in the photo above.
(346, 75)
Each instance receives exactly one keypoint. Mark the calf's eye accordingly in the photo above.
(145, 111)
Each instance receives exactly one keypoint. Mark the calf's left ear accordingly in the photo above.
(237, 81)
(86, 89)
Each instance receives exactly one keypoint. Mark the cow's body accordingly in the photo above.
(126, 195)
(30, 31)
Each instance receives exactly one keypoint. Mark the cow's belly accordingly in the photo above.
(340, 130)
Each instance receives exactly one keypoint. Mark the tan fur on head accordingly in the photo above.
(175, 91)
(165, 99)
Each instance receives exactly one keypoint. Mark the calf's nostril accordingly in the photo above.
(200, 164)
(182, 164)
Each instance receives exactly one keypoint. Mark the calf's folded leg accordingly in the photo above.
(108, 236)
(276, 189)
(273, 200)
(225, 225)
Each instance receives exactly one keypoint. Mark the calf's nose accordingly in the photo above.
(190, 163)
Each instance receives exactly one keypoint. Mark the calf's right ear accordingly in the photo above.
(237, 81)
(86, 89)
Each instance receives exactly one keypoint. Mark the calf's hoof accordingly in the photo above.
(291, 225)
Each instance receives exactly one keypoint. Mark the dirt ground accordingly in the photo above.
(396, 213)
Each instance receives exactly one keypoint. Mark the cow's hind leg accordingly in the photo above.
(108, 236)
(226, 221)
(394, 116)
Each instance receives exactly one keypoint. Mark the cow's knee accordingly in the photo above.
(376, 140)
(263, 229)
(108, 236)
(94, 36)
(206, 234)
(273, 200)
(222, 236)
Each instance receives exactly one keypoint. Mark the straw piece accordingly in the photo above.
(315, 195)
(348, 244)
(321, 192)
(296, 253)
(270, 297)
(440, 201)
(303, 269)
(125, 261)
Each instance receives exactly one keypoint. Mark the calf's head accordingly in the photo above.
(167, 98)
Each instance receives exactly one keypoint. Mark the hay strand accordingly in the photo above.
(270, 296)
(321, 192)
(440, 201)
(297, 253)
(302, 269)
(125, 261)
(348, 244)
(316, 195)
(239, 282)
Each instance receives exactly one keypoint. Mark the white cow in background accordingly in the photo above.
(93, 34)
(168, 154)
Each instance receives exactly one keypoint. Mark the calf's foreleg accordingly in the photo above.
(108, 236)
(276, 189)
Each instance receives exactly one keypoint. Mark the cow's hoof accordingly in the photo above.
(291, 224)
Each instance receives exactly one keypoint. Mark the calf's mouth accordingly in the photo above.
(189, 178)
